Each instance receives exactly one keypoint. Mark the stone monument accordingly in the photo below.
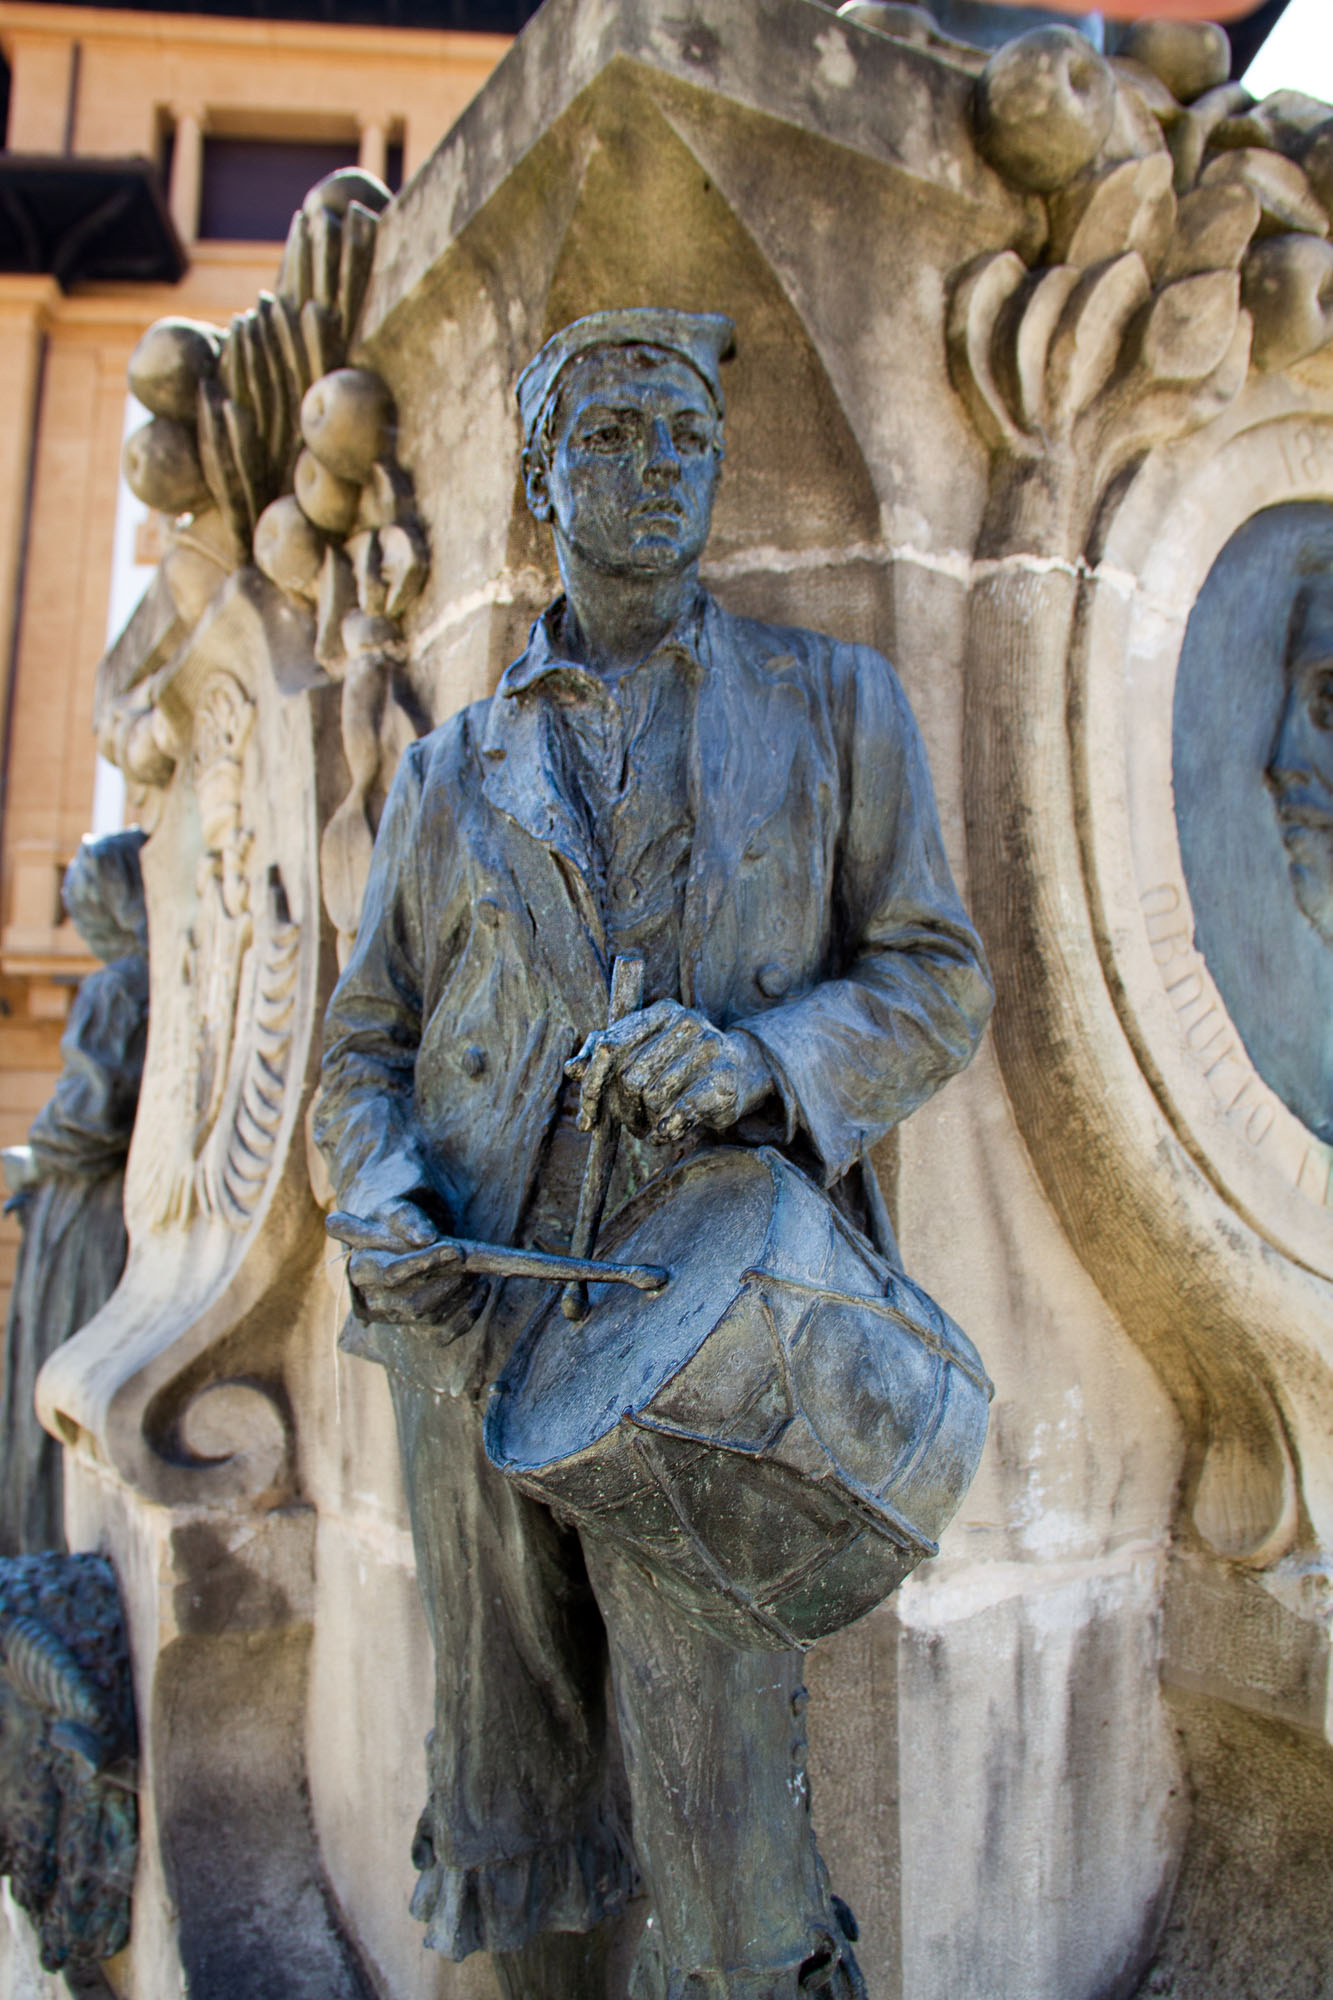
(1032, 395)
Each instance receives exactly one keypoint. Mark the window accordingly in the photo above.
(250, 188)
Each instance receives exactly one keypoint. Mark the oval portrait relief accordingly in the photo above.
(1253, 779)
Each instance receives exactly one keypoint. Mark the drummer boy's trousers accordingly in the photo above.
(525, 1826)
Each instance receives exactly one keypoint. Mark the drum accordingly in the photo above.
(779, 1435)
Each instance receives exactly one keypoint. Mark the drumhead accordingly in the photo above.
(568, 1385)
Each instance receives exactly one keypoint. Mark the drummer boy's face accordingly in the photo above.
(630, 474)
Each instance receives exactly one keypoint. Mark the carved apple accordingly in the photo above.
(348, 421)
(170, 362)
(161, 464)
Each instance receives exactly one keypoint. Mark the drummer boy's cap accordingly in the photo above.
(703, 340)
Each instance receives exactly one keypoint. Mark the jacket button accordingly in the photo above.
(474, 1061)
(773, 979)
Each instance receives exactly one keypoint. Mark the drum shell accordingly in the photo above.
(803, 1459)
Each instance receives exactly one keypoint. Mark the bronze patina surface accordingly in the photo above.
(748, 809)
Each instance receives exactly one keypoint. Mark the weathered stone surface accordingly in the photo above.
(1044, 107)
(1289, 293)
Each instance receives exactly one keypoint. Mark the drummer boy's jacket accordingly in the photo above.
(813, 906)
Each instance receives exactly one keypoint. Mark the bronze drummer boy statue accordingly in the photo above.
(748, 809)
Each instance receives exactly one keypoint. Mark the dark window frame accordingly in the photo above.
(249, 188)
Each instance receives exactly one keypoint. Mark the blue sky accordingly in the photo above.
(1298, 55)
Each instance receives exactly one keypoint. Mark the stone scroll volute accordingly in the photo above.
(1148, 380)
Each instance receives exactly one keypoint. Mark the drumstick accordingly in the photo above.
(493, 1260)
(626, 998)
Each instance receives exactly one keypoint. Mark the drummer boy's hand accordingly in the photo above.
(388, 1281)
(666, 1069)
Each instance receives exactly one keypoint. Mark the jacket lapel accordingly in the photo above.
(521, 776)
(521, 779)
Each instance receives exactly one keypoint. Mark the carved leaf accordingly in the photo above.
(1286, 199)
(386, 496)
(1282, 122)
(1214, 226)
(1189, 327)
(271, 363)
(1138, 77)
(974, 310)
(366, 553)
(1149, 413)
(1190, 134)
(1092, 328)
(325, 256)
(247, 451)
(287, 327)
(1133, 207)
(322, 337)
(1136, 131)
(404, 561)
(1022, 341)
(218, 460)
(295, 282)
(231, 364)
(336, 597)
(358, 249)
(259, 391)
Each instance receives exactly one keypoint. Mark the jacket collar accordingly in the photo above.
(747, 723)
(544, 658)
(521, 760)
